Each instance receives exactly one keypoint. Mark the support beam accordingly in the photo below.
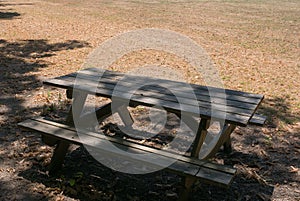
(59, 154)
(200, 137)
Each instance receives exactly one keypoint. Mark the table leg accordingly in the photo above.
(79, 99)
(224, 139)
(49, 140)
(125, 115)
(187, 183)
(227, 145)
(200, 137)
(59, 154)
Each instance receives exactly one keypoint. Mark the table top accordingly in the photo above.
(233, 106)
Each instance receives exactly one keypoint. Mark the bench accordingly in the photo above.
(240, 110)
(201, 169)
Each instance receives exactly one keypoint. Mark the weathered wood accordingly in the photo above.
(160, 88)
(48, 140)
(94, 72)
(73, 135)
(240, 105)
(38, 122)
(258, 120)
(125, 116)
(58, 157)
(187, 183)
(200, 137)
(103, 112)
(78, 102)
(226, 130)
(69, 93)
(99, 114)
(227, 146)
(184, 165)
(161, 91)
(187, 101)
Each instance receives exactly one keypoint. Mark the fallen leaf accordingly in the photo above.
(294, 169)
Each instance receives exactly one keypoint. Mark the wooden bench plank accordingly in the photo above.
(142, 147)
(258, 119)
(206, 171)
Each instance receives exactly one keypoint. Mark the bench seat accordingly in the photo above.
(206, 171)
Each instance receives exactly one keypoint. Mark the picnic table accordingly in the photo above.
(197, 107)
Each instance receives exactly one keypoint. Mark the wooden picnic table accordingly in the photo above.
(197, 106)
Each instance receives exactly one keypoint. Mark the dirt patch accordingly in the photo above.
(255, 46)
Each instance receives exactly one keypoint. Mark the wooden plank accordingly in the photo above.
(205, 173)
(236, 118)
(109, 78)
(258, 120)
(110, 74)
(125, 115)
(42, 125)
(200, 137)
(202, 95)
(185, 168)
(235, 109)
(58, 157)
(215, 177)
(185, 98)
(113, 78)
(206, 97)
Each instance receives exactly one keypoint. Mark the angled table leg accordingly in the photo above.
(125, 115)
(58, 157)
(227, 139)
(188, 181)
(79, 99)
(200, 137)
(224, 140)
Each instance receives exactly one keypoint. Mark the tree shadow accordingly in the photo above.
(278, 110)
(98, 182)
(273, 152)
(18, 62)
(267, 157)
(8, 192)
(8, 15)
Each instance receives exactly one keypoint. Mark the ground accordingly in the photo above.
(254, 44)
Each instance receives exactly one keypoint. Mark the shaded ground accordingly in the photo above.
(254, 44)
